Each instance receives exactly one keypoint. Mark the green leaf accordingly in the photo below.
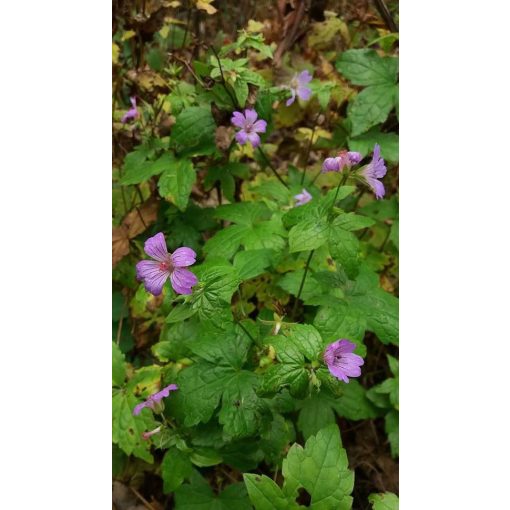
(240, 405)
(205, 457)
(391, 428)
(198, 495)
(265, 235)
(241, 91)
(352, 222)
(176, 183)
(226, 242)
(290, 371)
(118, 366)
(175, 468)
(371, 106)
(394, 233)
(291, 282)
(253, 77)
(180, 313)
(217, 284)
(219, 377)
(243, 213)
(381, 209)
(365, 143)
(138, 171)
(252, 263)
(306, 339)
(265, 494)
(366, 67)
(127, 429)
(344, 247)
(315, 414)
(319, 409)
(194, 127)
(340, 321)
(308, 234)
(381, 311)
(353, 404)
(384, 501)
(321, 468)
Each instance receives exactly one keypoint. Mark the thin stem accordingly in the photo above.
(270, 165)
(358, 198)
(309, 147)
(223, 81)
(316, 177)
(383, 245)
(302, 284)
(340, 184)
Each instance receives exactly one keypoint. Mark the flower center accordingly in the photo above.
(166, 266)
(248, 127)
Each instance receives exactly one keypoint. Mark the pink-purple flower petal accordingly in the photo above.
(292, 98)
(182, 280)
(249, 127)
(155, 398)
(254, 139)
(304, 77)
(183, 257)
(260, 126)
(238, 119)
(152, 275)
(304, 93)
(242, 137)
(302, 198)
(250, 115)
(331, 165)
(375, 170)
(156, 248)
(341, 361)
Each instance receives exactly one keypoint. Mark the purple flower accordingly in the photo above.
(250, 126)
(132, 113)
(155, 399)
(302, 198)
(344, 159)
(154, 273)
(341, 361)
(298, 87)
(376, 169)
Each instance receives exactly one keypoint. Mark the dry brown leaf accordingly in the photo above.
(120, 244)
(135, 222)
(141, 217)
(223, 137)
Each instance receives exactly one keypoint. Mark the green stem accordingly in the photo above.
(345, 176)
(307, 265)
(316, 177)
(270, 165)
(309, 147)
(223, 81)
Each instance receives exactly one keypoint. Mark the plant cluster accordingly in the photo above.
(255, 249)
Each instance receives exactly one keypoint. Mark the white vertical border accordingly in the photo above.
(454, 272)
(55, 96)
